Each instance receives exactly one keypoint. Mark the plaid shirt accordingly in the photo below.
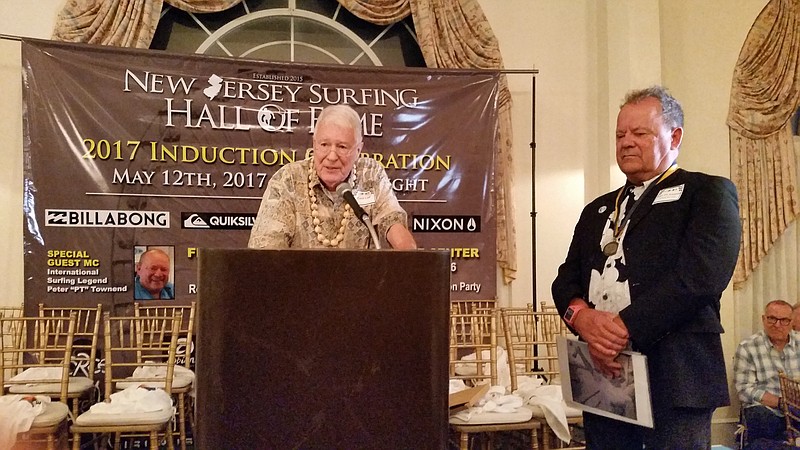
(756, 366)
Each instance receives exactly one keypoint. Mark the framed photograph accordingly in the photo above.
(625, 398)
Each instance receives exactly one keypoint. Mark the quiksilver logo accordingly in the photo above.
(217, 221)
(106, 218)
(194, 221)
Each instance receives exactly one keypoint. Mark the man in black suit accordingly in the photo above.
(645, 271)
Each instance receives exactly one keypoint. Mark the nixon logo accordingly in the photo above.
(446, 224)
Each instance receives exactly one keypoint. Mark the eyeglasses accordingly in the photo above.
(324, 148)
(772, 320)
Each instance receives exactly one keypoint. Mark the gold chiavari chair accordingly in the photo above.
(140, 355)
(475, 332)
(7, 332)
(39, 354)
(790, 405)
(82, 383)
(530, 338)
(184, 379)
(468, 306)
(12, 311)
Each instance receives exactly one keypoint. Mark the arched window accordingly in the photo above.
(312, 31)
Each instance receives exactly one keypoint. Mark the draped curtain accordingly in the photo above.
(451, 34)
(765, 93)
(777, 277)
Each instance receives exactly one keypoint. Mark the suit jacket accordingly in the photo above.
(680, 256)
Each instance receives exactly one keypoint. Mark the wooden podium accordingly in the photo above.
(322, 349)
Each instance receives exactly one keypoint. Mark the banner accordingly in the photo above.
(128, 150)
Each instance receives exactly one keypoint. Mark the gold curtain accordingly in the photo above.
(451, 34)
(380, 12)
(202, 6)
(765, 93)
(122, 23)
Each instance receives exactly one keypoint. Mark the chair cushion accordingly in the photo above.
(570, 411)
(181, 378)
(39, 373)
(53, 414)
(76, 386)
(467, 418)
(178, 382)
(141, 418)
(133, 406)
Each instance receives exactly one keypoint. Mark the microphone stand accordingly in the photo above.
(372, 233)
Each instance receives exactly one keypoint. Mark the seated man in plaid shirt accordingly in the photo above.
(758, 360)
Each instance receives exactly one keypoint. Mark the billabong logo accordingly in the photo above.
(217, 221)
(446, 224)
(106, 218)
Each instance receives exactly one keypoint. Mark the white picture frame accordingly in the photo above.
(625, 398)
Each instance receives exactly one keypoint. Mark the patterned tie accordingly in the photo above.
(628, 199)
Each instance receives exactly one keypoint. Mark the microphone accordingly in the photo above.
(345, 190)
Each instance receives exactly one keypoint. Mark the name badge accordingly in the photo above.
(364, 198)
(669, 194)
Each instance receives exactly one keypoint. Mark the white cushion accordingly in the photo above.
(181, 377)
(133, 406)
(39, 373)
(178, 382)
(479, 418)
(76, 385)
(53, 414)
(142, 418)
(570, 411)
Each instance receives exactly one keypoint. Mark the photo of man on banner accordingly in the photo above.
(152, 279)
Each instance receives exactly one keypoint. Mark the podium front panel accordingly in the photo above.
(322, 349)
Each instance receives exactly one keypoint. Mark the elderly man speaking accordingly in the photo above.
(301, 207)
